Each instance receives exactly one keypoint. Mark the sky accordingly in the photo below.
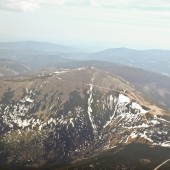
(138, 24)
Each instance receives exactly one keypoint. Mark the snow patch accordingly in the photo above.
(123, 99)
(81, 68)
(111, 102)
(132, 136)
(155, 122)
(166, 144)
(29, 100)
(138, 107)
(60, 72)
(143, 135)
(89, 110)
(71, 121)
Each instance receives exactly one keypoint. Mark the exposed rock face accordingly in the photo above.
(72, 114)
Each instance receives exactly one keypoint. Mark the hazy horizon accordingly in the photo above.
(88, 23)
(89, 47)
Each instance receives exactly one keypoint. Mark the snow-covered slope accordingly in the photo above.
(73, 113)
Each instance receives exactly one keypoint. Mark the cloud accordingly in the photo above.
(19, 5)
(82, 3)
(135, 4)
(33, 5)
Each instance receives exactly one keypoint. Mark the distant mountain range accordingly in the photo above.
(153, 60)
(33, 54)
(37, 46)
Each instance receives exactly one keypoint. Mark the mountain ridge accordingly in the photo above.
(71, 114)
(152, 59)
(35, 45)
